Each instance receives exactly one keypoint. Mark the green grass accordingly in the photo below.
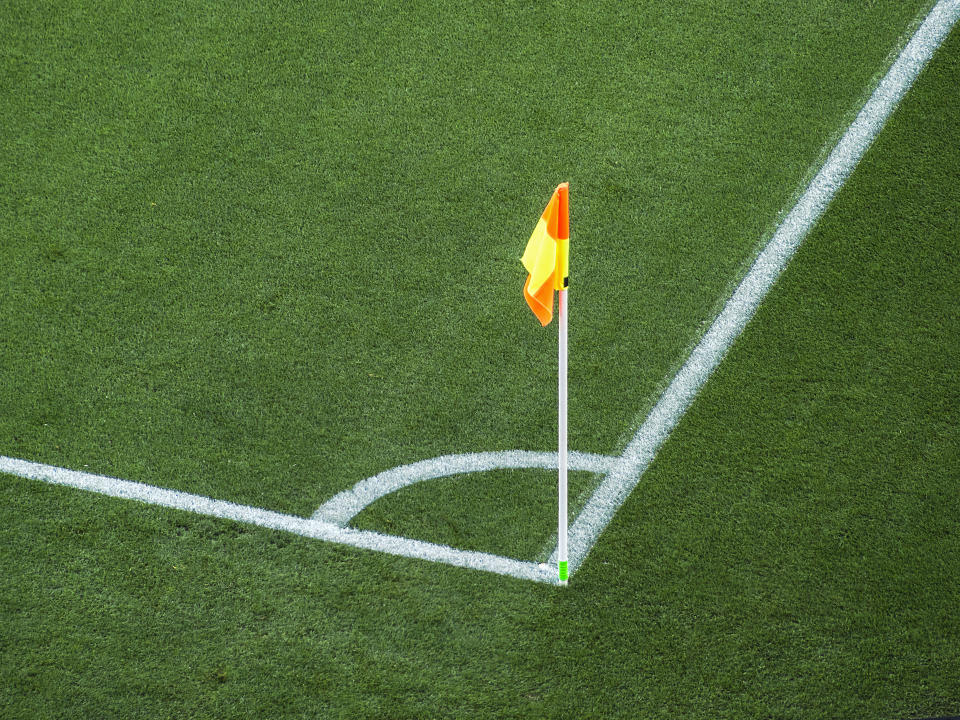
(263, 253)
(507, 512)
(802, 520)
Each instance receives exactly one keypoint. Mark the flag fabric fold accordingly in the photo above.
(546, 257)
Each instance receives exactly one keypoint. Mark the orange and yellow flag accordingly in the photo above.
(547, 256)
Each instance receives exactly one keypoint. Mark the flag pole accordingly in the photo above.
(562, 459)
(547, 260)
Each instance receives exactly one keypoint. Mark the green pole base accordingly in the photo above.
(562, 571)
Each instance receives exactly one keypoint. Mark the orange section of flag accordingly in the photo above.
(546, 256)
(540, 301)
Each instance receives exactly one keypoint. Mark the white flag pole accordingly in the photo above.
(562, 460)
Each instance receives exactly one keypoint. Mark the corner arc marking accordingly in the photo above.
(342, 507)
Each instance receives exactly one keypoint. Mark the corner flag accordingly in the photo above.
(547, 259)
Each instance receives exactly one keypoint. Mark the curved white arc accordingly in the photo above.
(342, 507)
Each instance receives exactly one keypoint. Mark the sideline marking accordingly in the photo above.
(623, 472)
(753, 288)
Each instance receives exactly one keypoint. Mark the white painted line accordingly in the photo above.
(341, 508)
(674, 402)
(405, 547)
(623, 472)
